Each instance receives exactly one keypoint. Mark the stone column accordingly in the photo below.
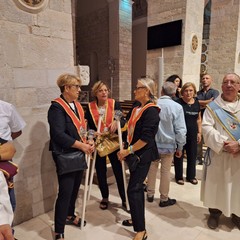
(120, 47)
(224, 44)
(181, 59)
(192, 40)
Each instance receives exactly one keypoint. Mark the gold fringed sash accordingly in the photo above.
(109, 114)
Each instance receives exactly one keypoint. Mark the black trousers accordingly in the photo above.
(101, 169)
(67, 194)
(136, 196)
(191, 150)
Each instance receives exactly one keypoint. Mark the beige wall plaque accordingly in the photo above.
(194, 43)
(31, 6)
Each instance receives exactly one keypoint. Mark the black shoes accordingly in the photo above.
(213, 221)
(193, 181)
(127, 223)
(71, 221)
(103, 205)
(236, 220)
(180, 181)
(150, 199)
(167, 203)
(59, 236)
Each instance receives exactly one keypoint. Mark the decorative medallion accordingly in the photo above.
(31, 6)
(194, 43)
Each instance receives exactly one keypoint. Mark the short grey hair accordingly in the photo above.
(169, 88)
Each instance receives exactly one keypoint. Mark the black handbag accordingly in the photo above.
(132, 161)
(67, 162)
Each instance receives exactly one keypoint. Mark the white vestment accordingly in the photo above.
(6, 213)
(221, 181)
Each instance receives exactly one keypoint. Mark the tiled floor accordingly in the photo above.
(185, 220)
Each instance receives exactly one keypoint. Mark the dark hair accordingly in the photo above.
(172, 79)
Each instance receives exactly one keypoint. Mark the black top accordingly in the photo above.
(191, 112)
(63, 132)
(146, 129)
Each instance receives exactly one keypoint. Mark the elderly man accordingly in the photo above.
(5, 210)
(170, 138)
(7, 151)
(221, 132)
(11, 125)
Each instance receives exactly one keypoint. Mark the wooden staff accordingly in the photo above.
(101, 114)
(90, 135)
(118, 115)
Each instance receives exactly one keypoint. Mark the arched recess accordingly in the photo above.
(94, 73)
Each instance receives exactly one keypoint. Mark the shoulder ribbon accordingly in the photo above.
(134, 118)
(78, 123)
(107, 118)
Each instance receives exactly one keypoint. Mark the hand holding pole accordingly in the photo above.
(101, 114)
(90, 135)
(118, 115)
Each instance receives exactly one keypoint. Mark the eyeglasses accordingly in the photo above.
(136, 88)
(233, 83)
(76, 86)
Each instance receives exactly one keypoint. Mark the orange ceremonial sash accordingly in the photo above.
(78, 123)
(108, 116)
(134, 118)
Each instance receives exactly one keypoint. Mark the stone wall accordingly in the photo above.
(92, 38)
(34, 50)
(177, 59)
(104, 38)
(162, 12)
(224, 44)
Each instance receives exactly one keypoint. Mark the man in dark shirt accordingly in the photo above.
(205, 96)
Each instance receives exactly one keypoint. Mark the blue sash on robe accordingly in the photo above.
(228, 120)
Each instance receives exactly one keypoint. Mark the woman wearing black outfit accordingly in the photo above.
(191, 108)
(100, 92)
(66, 118)
(142, 128)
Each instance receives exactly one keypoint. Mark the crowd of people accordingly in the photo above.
(159, 131)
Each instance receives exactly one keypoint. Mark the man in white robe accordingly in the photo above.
(6, 213)
(220, 185)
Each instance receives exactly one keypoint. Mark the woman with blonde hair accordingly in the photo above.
(100, 91)
(191, 108)
(66, 119)
(142, 128)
